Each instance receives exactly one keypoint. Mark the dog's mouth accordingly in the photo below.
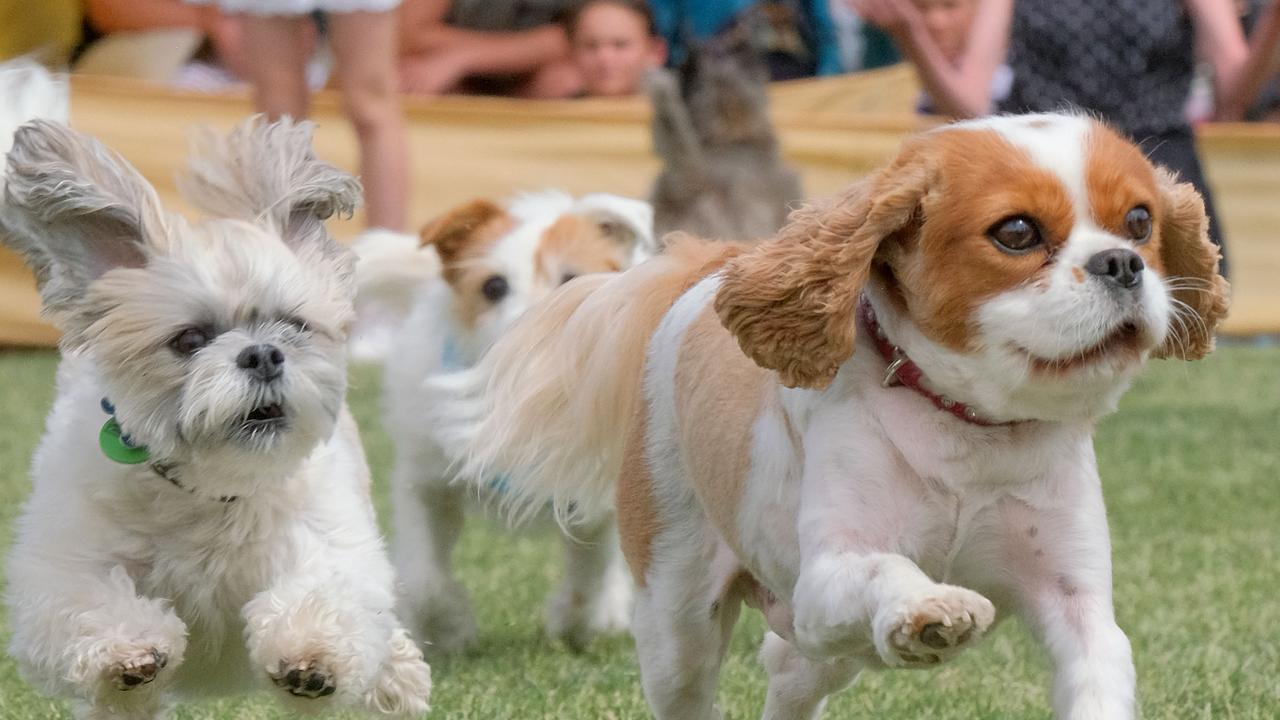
(1124, 344)
(264, 418)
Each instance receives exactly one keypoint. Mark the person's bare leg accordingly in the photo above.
(275, 52)
(364, 45)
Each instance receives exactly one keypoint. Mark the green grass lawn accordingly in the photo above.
(1190, 463)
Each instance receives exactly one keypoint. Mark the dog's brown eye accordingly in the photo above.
(495, 288)
(567, 277)
(1138, 223)
(188, 341)
(1016, 235)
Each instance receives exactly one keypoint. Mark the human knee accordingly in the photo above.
(371, 105)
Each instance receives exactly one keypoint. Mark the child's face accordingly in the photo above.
(948, 22)
(612, 49)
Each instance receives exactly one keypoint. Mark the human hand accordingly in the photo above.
(432, 74)
(893, 16)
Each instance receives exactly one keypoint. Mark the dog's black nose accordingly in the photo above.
(1118, 266)
(265, 362)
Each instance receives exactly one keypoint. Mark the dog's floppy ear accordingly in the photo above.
(451, 232)
(75, 210)
(626, 221)
(792, 301)
(267, 173)
(1201, 295)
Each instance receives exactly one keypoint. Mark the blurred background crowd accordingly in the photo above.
(1152, 68)
(973, 55)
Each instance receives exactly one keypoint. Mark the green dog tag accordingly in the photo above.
(114, 448)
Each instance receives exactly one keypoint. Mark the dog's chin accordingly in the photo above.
(1121, 349)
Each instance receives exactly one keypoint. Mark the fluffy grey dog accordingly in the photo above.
(723, 177)
(215, 533)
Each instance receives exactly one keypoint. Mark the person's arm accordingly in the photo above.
(1220, 40)
(423, 31)
(498, 53)
(1262, 63)
(960, 90)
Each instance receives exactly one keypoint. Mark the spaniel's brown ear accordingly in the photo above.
(791, 302)
(450, 233)
(1201, 295)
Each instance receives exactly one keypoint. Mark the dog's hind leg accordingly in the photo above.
(683, 621)
(799, 686)
(428, 515)
(595, 596)
(94, 638)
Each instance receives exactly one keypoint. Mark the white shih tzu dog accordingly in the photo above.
(200, 520)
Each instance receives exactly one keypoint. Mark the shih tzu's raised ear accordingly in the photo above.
(268, 174)
(791, 301)
(74, 209)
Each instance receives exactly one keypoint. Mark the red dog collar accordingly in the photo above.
(902, 371)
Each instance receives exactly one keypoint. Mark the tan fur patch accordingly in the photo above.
(467, 229)
(637, 513)
(719, 393)
(575, 245)
(686, 261)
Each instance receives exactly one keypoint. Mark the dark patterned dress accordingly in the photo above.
(1129, 62)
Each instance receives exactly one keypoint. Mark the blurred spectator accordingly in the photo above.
(488, 46)
(218, 62)
(613, 44)
(1258, 96)
(946, 26)
(1129, 61)
(362, 36)
(862, 46)
(957, 85)
(796, 37)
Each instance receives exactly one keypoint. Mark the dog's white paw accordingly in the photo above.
(931, 627)
(305, 677)
(138, 667)
(403, 684)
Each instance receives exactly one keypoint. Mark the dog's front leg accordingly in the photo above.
(331, 637)
(1061, 559)
(857, 593)
(93, 637)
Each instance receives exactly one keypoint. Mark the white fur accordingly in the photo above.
(129, 589)
(428, 345)
(867, 515)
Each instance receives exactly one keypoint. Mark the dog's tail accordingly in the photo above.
(550, 406)
(390, 269)
(30, 92)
